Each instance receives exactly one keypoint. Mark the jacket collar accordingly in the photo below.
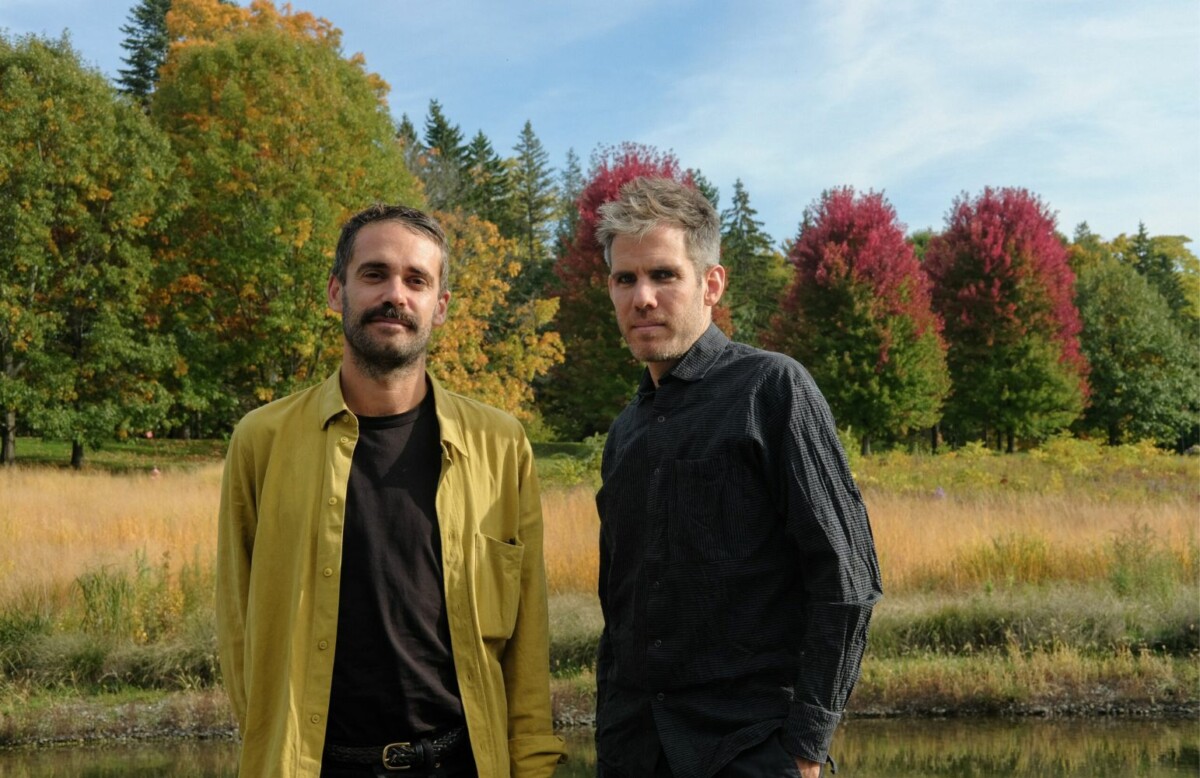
(449, 421)
(331, 405)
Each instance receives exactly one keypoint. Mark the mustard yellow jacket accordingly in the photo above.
(279, 563)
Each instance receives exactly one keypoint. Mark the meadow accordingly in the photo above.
(1063, 580)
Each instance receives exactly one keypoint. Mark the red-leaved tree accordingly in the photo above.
(858, 316)
(583, 394)
(1004, 289)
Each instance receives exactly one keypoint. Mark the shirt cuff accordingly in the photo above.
(808, 731)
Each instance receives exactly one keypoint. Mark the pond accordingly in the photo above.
(864, 749)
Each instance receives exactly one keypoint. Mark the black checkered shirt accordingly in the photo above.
(737, 567)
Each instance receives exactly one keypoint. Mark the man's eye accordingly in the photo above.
(662, 275)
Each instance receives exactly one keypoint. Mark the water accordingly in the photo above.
(863, 748)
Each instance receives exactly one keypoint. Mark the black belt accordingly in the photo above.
(399, 756)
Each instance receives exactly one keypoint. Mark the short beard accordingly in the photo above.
(378, 360)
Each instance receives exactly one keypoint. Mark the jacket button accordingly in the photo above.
(315, 718)
(324, 644)
(327, 572)
(333, 501)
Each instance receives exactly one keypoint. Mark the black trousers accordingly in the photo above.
(765, 760)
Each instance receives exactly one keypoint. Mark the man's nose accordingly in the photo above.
(643, 296)
(394, 292)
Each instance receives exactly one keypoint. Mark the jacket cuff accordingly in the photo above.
(808, 731)
(535, 756)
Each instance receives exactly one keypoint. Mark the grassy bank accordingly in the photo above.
(1062, 581)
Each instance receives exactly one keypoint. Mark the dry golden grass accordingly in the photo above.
(956, 544)
(56, 525)
(947, 544)
(572, 539)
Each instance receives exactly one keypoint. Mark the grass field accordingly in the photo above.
(1019, 579)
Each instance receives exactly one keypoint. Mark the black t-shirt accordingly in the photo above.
(393, 671)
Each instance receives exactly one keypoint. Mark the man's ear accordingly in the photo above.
(714, 284)
(334, 292)
(443, 306)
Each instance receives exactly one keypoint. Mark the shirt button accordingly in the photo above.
(333, 501)
(658, 644)
(327, 572)
(656, 584)
(660, 696)
(324, 644)
(662, 418)
(315, 718)
(343, 439)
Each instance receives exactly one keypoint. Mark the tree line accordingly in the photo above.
(169, 239)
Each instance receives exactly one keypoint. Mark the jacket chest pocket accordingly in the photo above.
(497, 583)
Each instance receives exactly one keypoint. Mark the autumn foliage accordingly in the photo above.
(280, 139)
(858, 316)
(486, 348)
(598, 375)
(168, 250)
(1005, 291)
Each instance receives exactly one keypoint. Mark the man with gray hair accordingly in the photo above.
(737, 567)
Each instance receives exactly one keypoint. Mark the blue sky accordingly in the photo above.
(1094, 105)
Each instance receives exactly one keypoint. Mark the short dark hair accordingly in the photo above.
(418, 221)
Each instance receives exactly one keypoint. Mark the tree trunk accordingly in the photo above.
(1012, 439)
(1114, 434)
(77, 455)
(933, 438)
(8, 455)
(865, 447)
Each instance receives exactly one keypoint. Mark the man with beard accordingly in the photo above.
(381, 597)
(737, 569)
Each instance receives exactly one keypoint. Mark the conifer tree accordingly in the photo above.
(146, 40)
(535, 197)
(756, 274)
(570, 188)
(486, 188)
(443, 168)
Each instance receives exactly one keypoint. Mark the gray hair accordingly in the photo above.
(646, 203)
(418, 221)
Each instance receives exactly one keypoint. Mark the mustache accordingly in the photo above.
(388, 311)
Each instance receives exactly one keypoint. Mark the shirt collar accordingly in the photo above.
(332, 405)
(695, 363)
(701, 356)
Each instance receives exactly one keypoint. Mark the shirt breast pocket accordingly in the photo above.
(696, 525)
(497, 580)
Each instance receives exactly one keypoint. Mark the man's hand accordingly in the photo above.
(808, 769)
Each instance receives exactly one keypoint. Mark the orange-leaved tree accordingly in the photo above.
(280, 138)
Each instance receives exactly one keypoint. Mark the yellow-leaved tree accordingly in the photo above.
(488, 349)
(280, 139)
